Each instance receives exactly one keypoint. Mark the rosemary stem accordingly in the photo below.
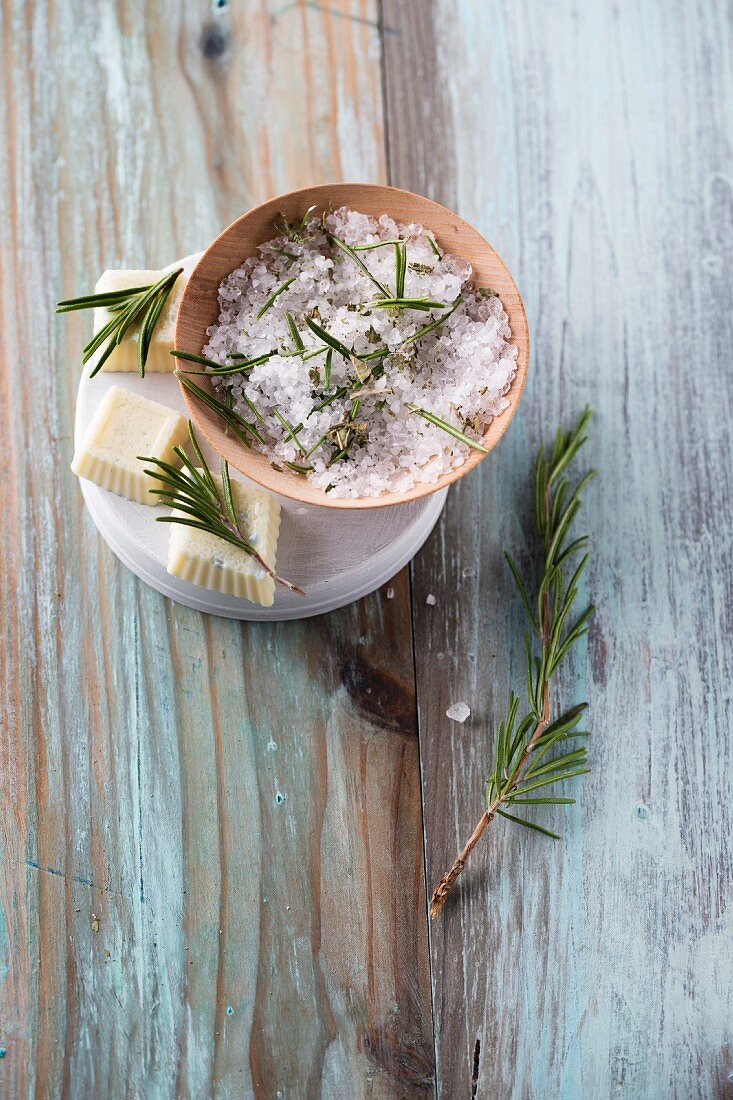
(516, 761)
(444, 887)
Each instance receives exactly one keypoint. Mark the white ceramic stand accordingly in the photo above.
(337, 556)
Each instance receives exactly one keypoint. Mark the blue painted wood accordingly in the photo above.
(592, 145)
(211, 852)
(171, 785)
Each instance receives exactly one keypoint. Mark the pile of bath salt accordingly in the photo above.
(356, 421)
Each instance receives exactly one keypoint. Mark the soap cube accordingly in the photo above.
(124, 426)
(211, 562)
(124, 356)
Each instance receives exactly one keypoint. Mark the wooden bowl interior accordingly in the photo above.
(199, 310)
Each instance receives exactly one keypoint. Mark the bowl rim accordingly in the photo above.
(291, 485)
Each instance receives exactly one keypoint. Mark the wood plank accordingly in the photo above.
(211, 856)
(591, 145)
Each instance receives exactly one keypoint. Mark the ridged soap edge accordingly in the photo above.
(230, 582)
(125, 483)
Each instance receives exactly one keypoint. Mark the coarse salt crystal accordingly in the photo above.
(458, 712)
(431, 600)
(460, 371)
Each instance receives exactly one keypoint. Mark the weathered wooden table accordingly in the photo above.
(217, 835)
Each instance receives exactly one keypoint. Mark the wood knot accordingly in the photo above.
(405, 1062)
(214, 41)
(377, 695)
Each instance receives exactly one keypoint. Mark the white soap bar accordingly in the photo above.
(124, 356)
(124, 426)
(210, 562)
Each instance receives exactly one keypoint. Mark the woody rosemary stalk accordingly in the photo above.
(539, 751)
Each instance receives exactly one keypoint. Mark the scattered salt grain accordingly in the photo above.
(431, 600)
(390, 593)
(460, 371)
(458, 712)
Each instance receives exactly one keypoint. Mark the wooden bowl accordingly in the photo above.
(199, 309)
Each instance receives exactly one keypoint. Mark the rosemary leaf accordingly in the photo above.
(449, 428)
(296, 468)
(275, 295)
(432, 242)
(400, 256)
(104, 299)
(314, 353)
(288, 255)
(529, 824)
(327, 338)
(200, 456)
(424, 304)
(238, 367)
(227, 493)
(335, 396)
(147, 328)
(290, 431)
(238, 425)
(369, 247)
(433, 324)
(548, 801)
(380, 353)
(252, 407)
(294, 334)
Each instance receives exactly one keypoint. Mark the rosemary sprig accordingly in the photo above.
(275, 295)
(241, 364)
(449, 428)
(192, 491)
(524, 760)
(236, 423)
(141, 303)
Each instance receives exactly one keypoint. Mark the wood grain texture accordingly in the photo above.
(211, 852)
(591, 145)
(211, 869)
